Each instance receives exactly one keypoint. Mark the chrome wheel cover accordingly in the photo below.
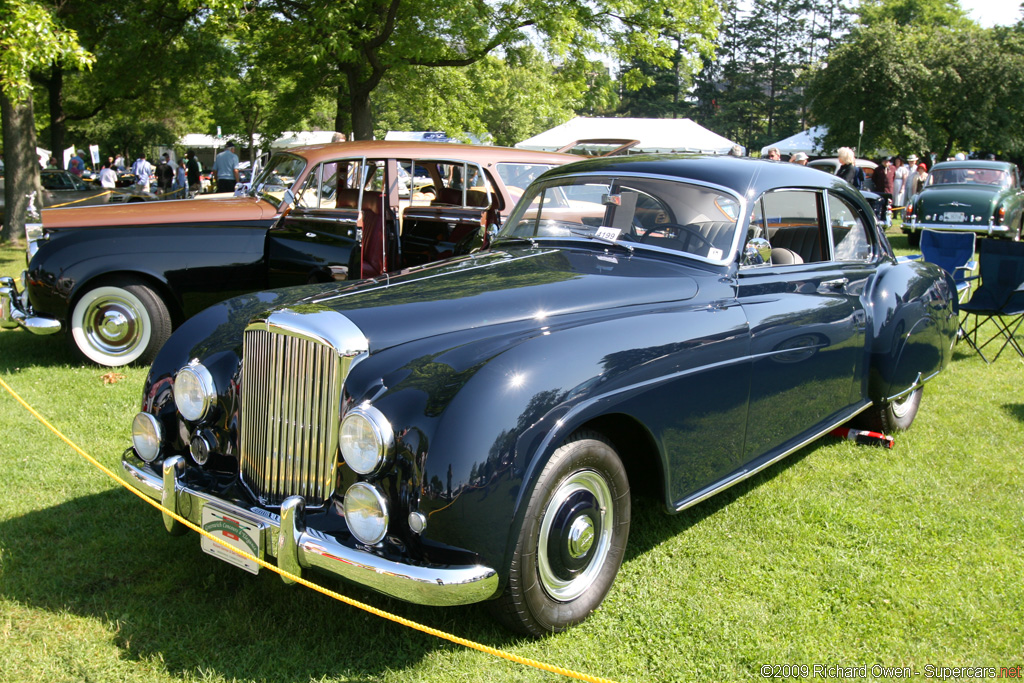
(901, 407)
(110, 325)
(575, 535)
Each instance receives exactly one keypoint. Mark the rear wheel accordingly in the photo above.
(119, 323)
(891, 416)
(572, 539)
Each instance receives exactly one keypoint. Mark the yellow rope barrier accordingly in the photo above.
(308, 584)
(83, 199)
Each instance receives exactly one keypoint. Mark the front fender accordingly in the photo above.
(914, 321)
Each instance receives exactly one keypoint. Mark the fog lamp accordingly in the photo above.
(366, 439)
(194, 391)
(146, 436)
(366, 513)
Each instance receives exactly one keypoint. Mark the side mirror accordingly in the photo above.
(288, 198)
(757, 253)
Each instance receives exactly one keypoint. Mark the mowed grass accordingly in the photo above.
(841, 555)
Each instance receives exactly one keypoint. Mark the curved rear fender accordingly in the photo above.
(914, 322)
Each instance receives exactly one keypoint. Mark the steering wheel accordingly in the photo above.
(677, 229)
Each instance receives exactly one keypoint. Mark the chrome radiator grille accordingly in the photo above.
(291, 391)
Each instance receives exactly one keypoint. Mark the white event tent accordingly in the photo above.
(653, 135)
(807, 141)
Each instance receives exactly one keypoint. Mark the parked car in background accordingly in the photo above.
(831, 165)
(984, 197)
(63, 188)
(117, 280)
(879, 204)
(475, 429)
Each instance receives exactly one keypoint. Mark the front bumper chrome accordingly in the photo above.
(297, 548)
(989, 229)
(14, 311)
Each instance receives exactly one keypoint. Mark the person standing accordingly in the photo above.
(180, 181)
(899, 183)
(799, 158)
(920, 178)
(225, 167)
(883, 178)
(192, 172)
(165, 174)
(108, 178)
(774, 154)
(849, 170)
(142, 169)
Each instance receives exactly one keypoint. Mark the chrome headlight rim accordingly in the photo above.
(383, 436)
(147, 435)
(368, 497)
(194, 372)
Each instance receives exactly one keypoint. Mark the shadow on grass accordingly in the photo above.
(107, 557)
(20, 348)
(1015, 410)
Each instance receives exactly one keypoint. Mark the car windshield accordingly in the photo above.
(634, 211)
(974, 176)
(278, 176)
(518, 176)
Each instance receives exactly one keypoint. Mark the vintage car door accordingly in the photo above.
(450, 217)
(317, 239)
(806, 317)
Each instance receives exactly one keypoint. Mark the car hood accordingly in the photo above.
(181, 211)
(499, 287)
(973, 200)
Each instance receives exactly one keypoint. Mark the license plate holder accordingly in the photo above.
(954, 217)
(237, 532)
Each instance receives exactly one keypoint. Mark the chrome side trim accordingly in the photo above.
(310, 549)
(737, 477)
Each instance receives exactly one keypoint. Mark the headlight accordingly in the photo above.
(146, 436)
(366, 440)
(194, 391)
(366, 513)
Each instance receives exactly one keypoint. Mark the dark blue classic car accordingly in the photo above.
(473, 430)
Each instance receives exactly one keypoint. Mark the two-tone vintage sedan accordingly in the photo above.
(984, 197)
(118, 279)
(474, 429)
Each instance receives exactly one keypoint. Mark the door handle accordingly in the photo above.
(838, 283)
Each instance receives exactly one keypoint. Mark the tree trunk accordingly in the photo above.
(58, 119)
(361, 109)
(21, 166)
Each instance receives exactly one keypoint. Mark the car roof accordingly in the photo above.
(482, 154)
(976, 163)
(744, 175)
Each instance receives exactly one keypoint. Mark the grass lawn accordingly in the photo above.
(840, 556)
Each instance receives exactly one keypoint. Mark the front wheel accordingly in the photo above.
(892, 416)
(572, 540)
(119, 323)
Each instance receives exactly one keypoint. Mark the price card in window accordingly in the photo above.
(606, 233)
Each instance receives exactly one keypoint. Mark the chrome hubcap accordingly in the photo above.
(575, 535)
(112, 325)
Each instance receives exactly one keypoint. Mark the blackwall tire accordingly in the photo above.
(891, 416)
(572, 540)
(118, 323)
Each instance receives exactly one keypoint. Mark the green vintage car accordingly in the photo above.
(984, 197)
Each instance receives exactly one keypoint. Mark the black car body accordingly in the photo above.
(118, 279)
(470, 430)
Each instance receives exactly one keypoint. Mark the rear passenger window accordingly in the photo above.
(850, 241)
(793, 222)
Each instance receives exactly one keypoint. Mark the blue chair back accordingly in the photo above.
(951, 251)
(1001, 265)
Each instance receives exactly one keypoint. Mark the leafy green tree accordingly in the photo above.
(30, 37)
(355, 45)
(933, 13)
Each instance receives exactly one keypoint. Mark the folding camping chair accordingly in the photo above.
(954, 253)
(999, 297)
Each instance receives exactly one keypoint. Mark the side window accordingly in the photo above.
(850, 240)
(793, 222)
(308, 196)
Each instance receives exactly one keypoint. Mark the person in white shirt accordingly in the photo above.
(108, 179)
(225, 166)
(142, 170)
